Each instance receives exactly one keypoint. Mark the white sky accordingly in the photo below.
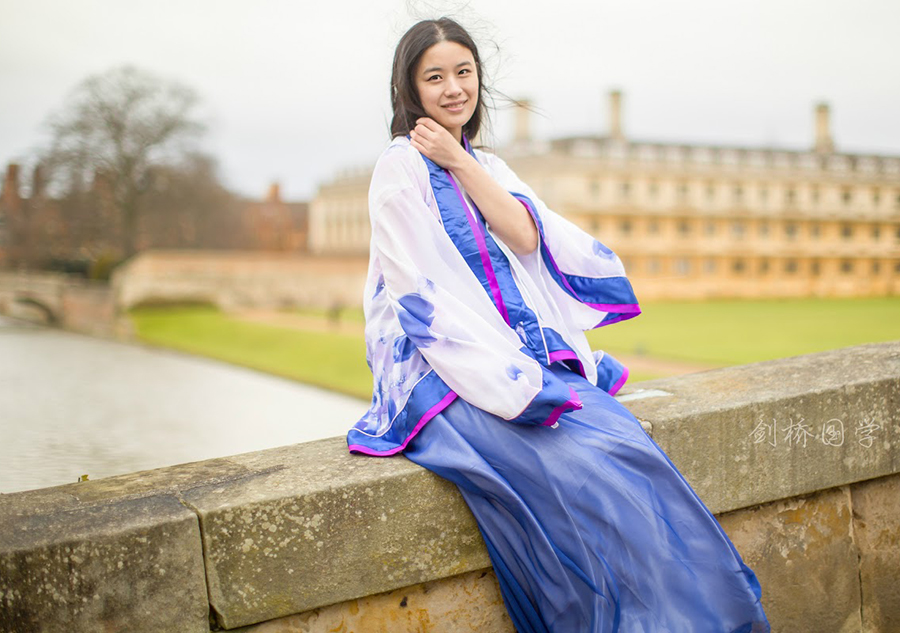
(295, 90)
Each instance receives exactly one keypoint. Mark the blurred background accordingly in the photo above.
(185, 184)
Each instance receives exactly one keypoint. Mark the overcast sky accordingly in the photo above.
(292, 91)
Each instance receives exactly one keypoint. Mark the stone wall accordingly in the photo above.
(240, 279)
(797, 458)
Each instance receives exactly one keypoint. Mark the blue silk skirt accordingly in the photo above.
(590, 527)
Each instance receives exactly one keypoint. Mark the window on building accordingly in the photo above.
(815, 268)
(847, 196)
(763, 266)
(876, 197)
(737, 229)
(790, 230)
(595, 226)
(790, 266)
(764, 229)
(763, 195)
(683, 266)
(815, 231)
(847, 231)
(738, 266)
(738, 194)
(709, 266)
(653, 227)
(790, 196)
(653, 266)
(814, 194)
(846, 266)
(684, 228)
(653, 189)
(711, 191)
(876, 267)
(625, 227)
(897, 267)
(682, 191)
(710, 228)
(626, 190)
(595, 188)
(876, 232)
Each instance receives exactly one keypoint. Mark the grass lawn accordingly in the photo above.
(332, 361)
(714, 332)
(734, 332)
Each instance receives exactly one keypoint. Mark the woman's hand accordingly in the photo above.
(507, 217)
(435, 142)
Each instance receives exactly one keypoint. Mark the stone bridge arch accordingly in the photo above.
(51, 316)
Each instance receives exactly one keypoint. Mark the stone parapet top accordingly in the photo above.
(286, 530)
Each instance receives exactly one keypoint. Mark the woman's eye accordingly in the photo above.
(464, 70)
(434, 77)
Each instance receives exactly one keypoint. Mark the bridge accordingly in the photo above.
(310, 538)
(58, 299)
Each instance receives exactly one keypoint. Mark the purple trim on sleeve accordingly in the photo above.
(621, 381)
(483, 251)
(565, 354)
(572, 403)
(433, 411)
(631, 308)
(617, 318)
(615, 307)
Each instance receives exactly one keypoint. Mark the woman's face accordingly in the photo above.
(447, 81)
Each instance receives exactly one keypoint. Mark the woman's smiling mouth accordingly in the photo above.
(455, 107)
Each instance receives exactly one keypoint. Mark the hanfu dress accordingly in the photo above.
(483, 375)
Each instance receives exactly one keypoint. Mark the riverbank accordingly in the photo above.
(76, 405)
(668, 339)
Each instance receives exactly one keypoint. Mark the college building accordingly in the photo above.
(695, 221)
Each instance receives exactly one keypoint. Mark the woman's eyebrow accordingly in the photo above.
(433, 68)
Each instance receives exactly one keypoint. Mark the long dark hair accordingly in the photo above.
(405, 96)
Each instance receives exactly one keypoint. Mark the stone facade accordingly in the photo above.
(697, 221)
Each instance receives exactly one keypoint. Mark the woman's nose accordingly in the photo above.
(452, 87)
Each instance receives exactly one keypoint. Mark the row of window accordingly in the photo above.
(675, 154)
(741, 266)
(740, 229)
(741, 194)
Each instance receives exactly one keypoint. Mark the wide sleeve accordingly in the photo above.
(444, 310)
(585, 278)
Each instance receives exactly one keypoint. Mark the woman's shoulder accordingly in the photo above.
(398, 149)
(399, 160)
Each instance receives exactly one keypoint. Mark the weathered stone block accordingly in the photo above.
(315, 526)
(464, 603)
(803, 554)
(749, 434)
(133, 565)
(876, 521)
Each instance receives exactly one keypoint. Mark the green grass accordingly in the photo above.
(332, 361)
(734, 332)
(714, 332)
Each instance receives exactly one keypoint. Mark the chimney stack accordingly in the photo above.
(274, 193)
(37, 181)
(615, 115)
(10, 192)
(824, 142)
(523, 121)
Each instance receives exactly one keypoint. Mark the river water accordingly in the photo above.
(72, 405)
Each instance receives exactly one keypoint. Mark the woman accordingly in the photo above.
(476, 304)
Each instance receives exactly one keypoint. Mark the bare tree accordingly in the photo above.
(122, 127)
